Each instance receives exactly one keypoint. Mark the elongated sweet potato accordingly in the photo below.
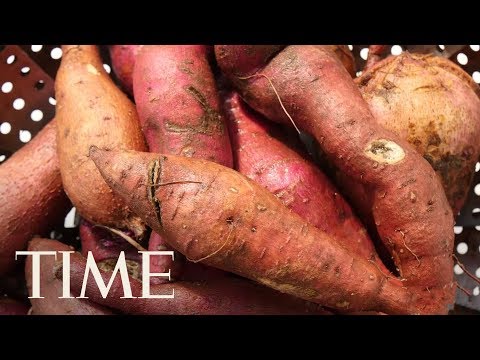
(12, 307)
(215, 215)
(180, 111)
(51, 286)
(123, 61)
(435, 105)
(297, 182)
(410, 209)
(178, 104)
(92, 110)
(32, 200)
(221, 296)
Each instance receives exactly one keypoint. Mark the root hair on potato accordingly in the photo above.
(469, 274)
(123, 236)
(220, 248)
(468, 293)
(276, 94)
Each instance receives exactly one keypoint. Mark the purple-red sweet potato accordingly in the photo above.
(215, 215)
(180, 112)
(410, 209)
(123, 62)
(92, 110)
(51, 285)
(32, 200)
(178, 105)
(260, 155)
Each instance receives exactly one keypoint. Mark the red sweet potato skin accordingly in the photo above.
(298, 183)
(214, 215)
(12, 307)
(409, 206)
(345, 56)
(123, 62)
(51, 284)
(32, 200)
(178, 104)
(91, 109)
(248, 58)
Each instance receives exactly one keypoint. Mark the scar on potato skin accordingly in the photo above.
(154, 169)
(210, 122)
(384, 151)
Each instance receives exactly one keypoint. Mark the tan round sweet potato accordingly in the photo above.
(92, 110)
(434, 104)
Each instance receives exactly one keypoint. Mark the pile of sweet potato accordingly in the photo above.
(195, 151)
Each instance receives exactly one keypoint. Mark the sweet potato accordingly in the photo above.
(92, 110)
(106, 246)
(32, 200)
(215, 215)
(410, 209)
(435, 105)
(180, 111)
(178, 104)
(123, 62)
(161, 264)
(375, 55)
(51, 286)
(261, 156)
(12, 307)
(220, 296)
(345, 56)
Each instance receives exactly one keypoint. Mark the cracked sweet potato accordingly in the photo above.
(410, 209)
(215, 215)
(32, 200)
(92, 110)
